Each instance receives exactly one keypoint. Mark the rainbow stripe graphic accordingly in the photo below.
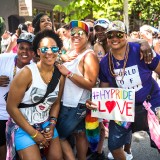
(80, 24)
(92, 131)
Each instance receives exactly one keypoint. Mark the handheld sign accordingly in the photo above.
(114, 103)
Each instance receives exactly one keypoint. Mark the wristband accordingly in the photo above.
(53, 118)
(34, 136)
(69, 74)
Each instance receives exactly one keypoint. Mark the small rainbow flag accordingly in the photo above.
(92, 131)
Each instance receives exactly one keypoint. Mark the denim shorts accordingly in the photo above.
(23, 136)
(118, 136)
(2, 132)
(71, 120)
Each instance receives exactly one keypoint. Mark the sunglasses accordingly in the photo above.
(79, 33)
(100, 22)
(45, 49)
(27, 49)
(117, 35)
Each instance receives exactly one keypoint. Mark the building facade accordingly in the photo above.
(10, 12)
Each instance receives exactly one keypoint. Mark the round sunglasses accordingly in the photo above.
(79, 33)
(44, 50)
(117, 35)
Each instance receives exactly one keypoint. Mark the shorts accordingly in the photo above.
(2, 132)
(118, 136)
(23, 136)
(71, 120)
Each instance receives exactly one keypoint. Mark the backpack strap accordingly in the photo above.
(50, 88)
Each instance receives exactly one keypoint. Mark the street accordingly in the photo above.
(141, 149)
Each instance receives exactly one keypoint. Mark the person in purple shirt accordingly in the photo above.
(123, 68)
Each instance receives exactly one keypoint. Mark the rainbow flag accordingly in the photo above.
(92, 131)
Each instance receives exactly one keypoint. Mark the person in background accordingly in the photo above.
(10, 64)
(12, 47)
(30, 28)
(6, 38)
(31, 121)
(100, 46)
(80, 78)
(42, 21)
(135, 35)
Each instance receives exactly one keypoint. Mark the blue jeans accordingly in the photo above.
(71, 120)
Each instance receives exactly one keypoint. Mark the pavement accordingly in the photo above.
(141, 149)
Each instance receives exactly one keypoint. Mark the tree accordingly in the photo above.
(139, 11)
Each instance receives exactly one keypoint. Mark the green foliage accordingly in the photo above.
(2, 26)
(144, 11)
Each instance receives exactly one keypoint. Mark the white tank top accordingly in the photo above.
(72, 94)
(36, 91)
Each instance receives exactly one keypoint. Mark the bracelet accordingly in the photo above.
(53, 118)
(68, 74)
(34, 136)
(53, 121)
(52, 124)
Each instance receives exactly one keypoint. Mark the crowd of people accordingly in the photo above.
(46, 81)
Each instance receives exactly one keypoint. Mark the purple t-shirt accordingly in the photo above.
(137, 75)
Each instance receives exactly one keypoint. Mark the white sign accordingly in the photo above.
(114, 104)
(25, 7)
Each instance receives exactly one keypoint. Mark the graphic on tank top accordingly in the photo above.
(40, 112)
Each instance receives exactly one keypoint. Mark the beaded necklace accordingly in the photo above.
(15, 68)
(111, 63)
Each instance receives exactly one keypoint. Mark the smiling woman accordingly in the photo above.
(44, 113)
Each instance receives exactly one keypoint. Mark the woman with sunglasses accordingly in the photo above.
(81, 74)
(29, 87)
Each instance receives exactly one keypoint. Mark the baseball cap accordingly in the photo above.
(117, 26)
(80, 24)
(25, 37)
(103, 22)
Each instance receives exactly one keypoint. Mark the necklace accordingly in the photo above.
(45, 78)
(15, 66)
(111, 64)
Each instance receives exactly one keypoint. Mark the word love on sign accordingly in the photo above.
(114, 103)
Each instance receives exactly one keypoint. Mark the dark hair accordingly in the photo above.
(36, 22)
(46, 33)
(66, 26)
(21, 29)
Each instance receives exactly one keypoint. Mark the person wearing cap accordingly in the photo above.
(100, 46)
(12, 46)
(40, 22)
(81, 74)
(32, 121)
(122, 59)
(10, 64)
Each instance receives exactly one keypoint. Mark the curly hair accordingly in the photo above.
(46, 33)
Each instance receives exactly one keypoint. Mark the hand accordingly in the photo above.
(49, 134)
(90, 105)
(62, 69)
(158, 113)
(41, 140)
(146, 52)
(4, 81)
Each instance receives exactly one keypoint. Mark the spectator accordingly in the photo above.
(10, 64)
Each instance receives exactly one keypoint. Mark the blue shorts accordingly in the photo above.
(22, 136)
(118, 136)
(71, 120)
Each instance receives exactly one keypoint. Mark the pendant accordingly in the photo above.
(118, 64)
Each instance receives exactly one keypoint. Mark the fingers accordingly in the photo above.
(91, 106)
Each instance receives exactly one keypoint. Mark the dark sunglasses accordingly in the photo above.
(117, 35)
(45, 49)
(27, 49)
(79, 33)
